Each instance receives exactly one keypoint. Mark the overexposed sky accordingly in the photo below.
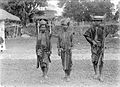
(115, 2)
(52, 4)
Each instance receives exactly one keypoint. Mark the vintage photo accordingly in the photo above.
(59, 43)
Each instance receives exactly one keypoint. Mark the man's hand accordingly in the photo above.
(49, 52)
(59, 51)
(97, 43)
(94, 43)
(39, 52)
(70, 47)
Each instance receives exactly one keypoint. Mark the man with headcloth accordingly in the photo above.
(64, 45)
(95, 35)
(43, 46)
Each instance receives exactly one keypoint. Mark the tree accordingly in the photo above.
(101, 8)
(25, 9)
(82, 9)
(75, 10)
(50, 13)
(62, 3)
(116, 16)
(118, 7)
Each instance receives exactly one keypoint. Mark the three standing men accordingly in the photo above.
(95, 35)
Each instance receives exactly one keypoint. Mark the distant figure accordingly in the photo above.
(43, 46)
(64, 45)
(95, 35)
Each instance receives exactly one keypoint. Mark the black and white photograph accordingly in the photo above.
(59, 43)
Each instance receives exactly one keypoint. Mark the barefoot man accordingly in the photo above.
(65, 43)
(43, 46)
(95, 35)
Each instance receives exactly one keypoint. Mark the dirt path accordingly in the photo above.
(23, 73)
(24, 48)
(18, 66)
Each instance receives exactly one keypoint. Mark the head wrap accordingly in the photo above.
(65, 21)
(43, 22)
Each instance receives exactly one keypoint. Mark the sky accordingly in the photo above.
(115, 2)
(52, 4)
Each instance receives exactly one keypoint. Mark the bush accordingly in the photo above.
(30, 30)
(112, 29)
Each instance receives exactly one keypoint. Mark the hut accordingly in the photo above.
(4, 15)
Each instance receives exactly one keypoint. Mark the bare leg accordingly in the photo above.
(38, 61)
(67, 75)
(45, 73)
(100, 67)
(95, 63)
(45, 70)
(95, 68)
(100, 71)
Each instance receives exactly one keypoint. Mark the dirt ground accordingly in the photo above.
(18, 65)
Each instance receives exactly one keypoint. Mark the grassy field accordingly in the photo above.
(18, 65)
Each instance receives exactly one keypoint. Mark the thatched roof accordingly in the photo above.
(5, 15)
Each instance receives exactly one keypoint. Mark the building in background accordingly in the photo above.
(4, 15)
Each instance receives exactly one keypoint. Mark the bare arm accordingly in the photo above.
(88, 36)
(58, 42)
(71, 39)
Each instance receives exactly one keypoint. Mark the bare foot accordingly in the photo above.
(95, 76)
(67, 79)
(37, 66)
(100, 79)
(45, 76)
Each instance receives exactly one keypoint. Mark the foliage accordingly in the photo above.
(82, 9)
(62, 2)
(24, 9)
(75, 10)
(118, 6)
(30, 29)
(116, 16)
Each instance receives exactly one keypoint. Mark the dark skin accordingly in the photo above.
(99, 65)
(44, 66)
(67, 72)
(94, 65)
